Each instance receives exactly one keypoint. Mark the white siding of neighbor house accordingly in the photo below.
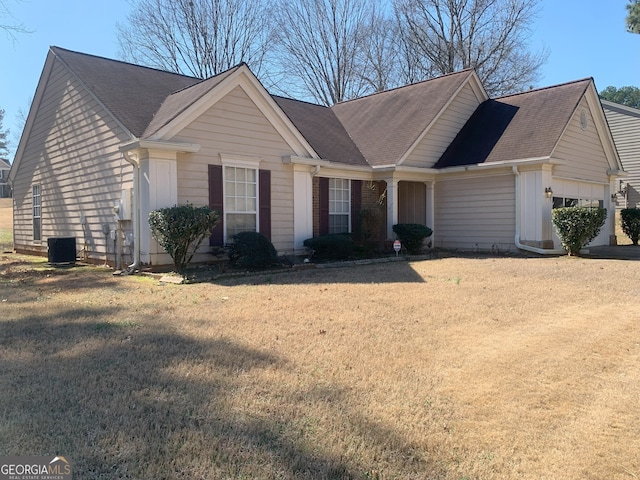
(236, 126)
(475, 213)
(445, 129)
(625, 128)
(582, 151)
(72, 152)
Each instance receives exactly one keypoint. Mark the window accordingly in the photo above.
(240, 200)
(339, 205)
(559, 202)
(36, 212)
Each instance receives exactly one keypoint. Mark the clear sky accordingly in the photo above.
(585, 38)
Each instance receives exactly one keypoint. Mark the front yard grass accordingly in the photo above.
(451, 368)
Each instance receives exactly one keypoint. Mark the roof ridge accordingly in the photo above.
(400, 87)
(548, 87)
(55, 49)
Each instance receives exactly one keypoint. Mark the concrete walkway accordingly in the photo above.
(616, 252)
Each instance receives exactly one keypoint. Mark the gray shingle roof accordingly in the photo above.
(385, 125)
(521, 126)
(323, 131)
(374, 130)
(133, 94)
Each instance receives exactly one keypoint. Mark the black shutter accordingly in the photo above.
(356, 205)
(323, 199)
(264, 202)
(216, 202)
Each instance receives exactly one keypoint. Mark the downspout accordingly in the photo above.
(136, 213)
(541, 251)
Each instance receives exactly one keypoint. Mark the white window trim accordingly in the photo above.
(239, 161)
(348, 214)
(39, 217)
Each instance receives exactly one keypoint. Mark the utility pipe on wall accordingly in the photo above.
(136, 212)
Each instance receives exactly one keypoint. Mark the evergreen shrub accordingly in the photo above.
(411, 235)
(577, 226)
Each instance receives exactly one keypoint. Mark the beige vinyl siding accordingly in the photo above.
(445, 129)
(72, 152)
(236, 126)
(625, 128)
(582, 151)
(475, 213)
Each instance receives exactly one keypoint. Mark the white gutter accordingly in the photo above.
(136, 212)
(541, 251)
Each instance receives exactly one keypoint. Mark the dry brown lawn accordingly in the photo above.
(450, 368)
(6, 223)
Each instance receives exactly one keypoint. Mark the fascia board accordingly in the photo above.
(160, 145)
(474, 81)
(261, 98)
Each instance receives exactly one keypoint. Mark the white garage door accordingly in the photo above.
(568, 193)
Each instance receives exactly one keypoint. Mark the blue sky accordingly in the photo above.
(585, 38)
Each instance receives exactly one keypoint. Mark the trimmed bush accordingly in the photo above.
(335, 246)
(253, 250)
(577, 226)
(181, 229)
(630, 218)
(411, 235)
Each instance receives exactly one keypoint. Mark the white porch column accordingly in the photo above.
(302, 205)
(431, 209)
(158, 189)
(392, 206)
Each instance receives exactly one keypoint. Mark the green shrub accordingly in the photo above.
(181, 229)
(411, 235)
(577, 226)
(335, 246)
(630, 218)
(253, 250)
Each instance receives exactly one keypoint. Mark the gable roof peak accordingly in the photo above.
(466, 71)
(548, 87)
(62, 52)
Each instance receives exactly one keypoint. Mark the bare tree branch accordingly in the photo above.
(196, 37)
(487, 35)
(322, 47)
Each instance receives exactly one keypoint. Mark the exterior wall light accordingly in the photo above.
(548, 192)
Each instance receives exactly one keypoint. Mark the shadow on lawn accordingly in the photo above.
(131, 399)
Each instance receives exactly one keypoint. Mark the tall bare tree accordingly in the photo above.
(488, 35)
(381, 53)
(196, 37)
(321, 47)
(7, 24)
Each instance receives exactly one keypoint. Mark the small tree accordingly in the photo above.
(577, 226)
(181, 229)
(631, 223)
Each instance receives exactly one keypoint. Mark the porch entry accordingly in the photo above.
(412, 202)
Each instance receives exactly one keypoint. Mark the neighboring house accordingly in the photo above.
(625, 127)
(106, 142)
(5, 189)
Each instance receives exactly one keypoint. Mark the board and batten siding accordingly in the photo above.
(444, 130)
(72, 153)
(624, 123)
(475, 213)
(236, 126)
(582, 151)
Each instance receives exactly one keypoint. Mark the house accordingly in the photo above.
(5, 167)
(107, 142)
(625, 127)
